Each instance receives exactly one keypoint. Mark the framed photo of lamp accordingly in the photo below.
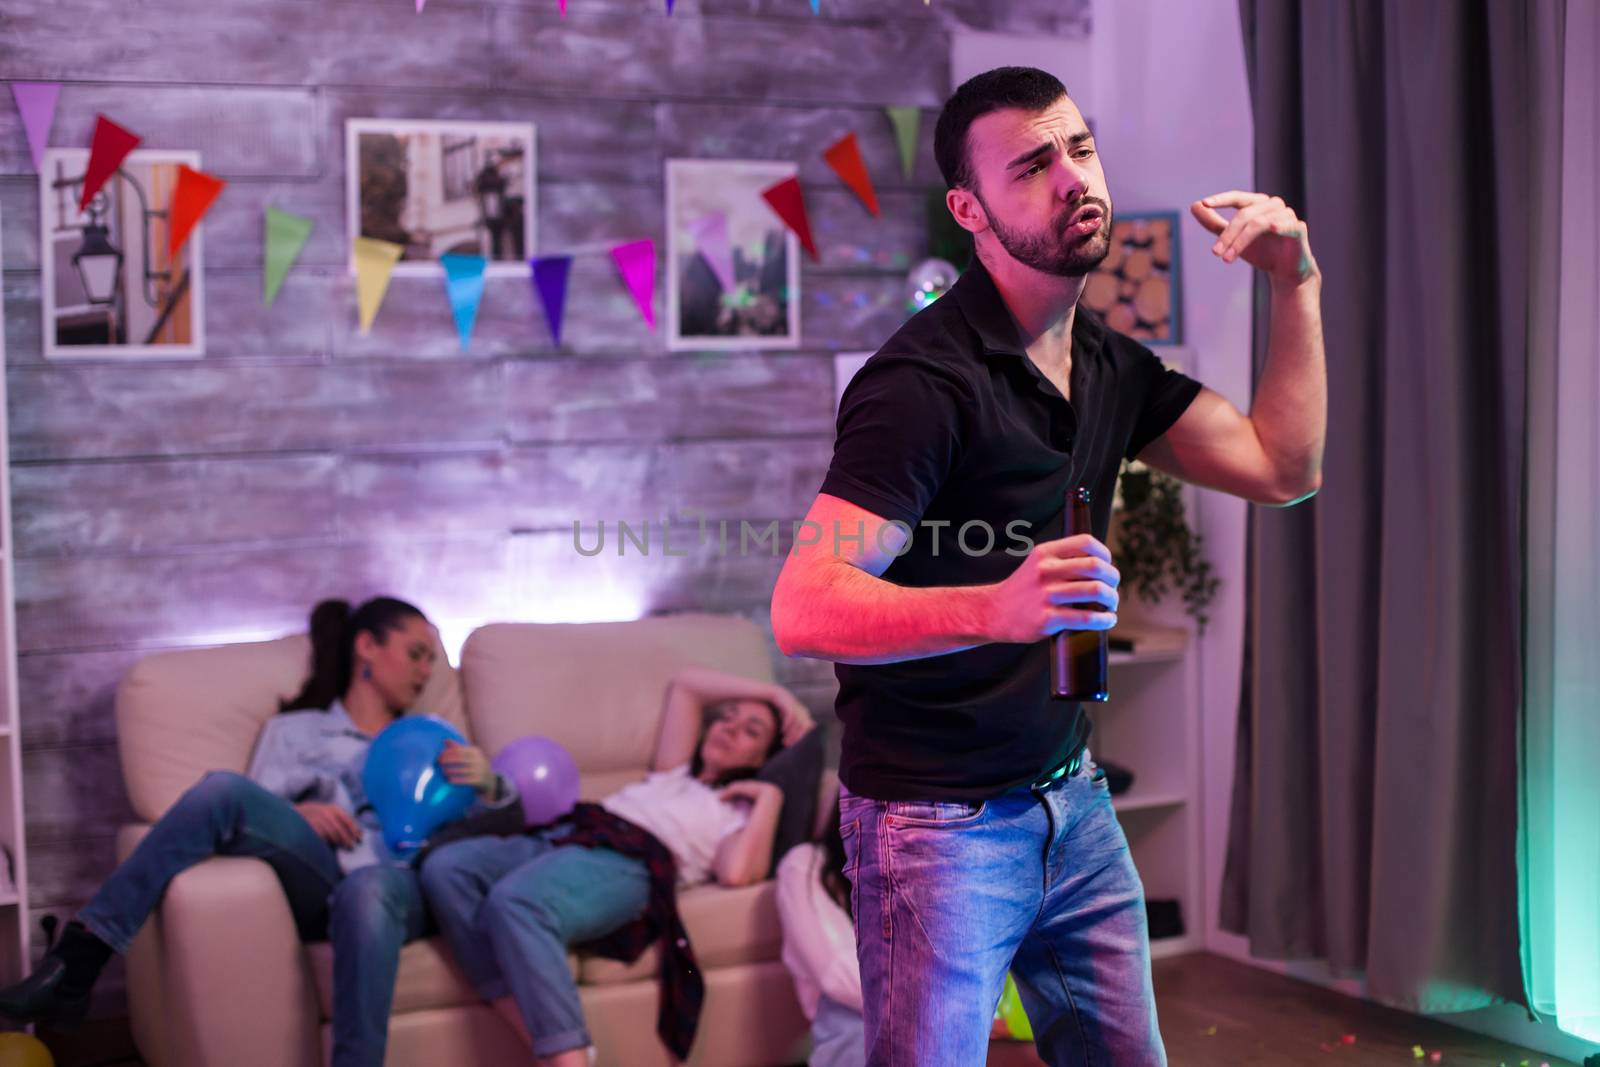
(436, 186)
(733, 267)
(109, 285)
(1136, 289)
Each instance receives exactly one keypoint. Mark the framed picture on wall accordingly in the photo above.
(433, 187)
(733, 267)
(108, 285)
(1136, 289)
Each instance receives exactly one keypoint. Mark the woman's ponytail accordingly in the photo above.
(330, 657)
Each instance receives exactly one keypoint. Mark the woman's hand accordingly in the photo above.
(332, 823)
(795, 719)
(467, 765)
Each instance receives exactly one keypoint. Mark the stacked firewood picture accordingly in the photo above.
(1135, 289)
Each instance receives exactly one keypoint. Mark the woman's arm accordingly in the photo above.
(744, 857)
(691, 690)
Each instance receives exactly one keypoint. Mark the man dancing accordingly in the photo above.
(979, 836)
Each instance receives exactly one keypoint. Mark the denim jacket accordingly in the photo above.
(318, 756)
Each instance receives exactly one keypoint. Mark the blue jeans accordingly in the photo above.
(368, 914)
(510, 907)
(947, 896)
(836, 1036)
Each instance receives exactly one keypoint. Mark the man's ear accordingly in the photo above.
(966, 210)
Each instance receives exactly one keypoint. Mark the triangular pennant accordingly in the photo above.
(463, 279)
(375, 262)
(420, 5)
(563, 5)
(637, 262)
(36, 102)
(710, 236)
(109, 148)
(816, 6)
(669, 7)
(787, 200)
(907, 127)
(284, 238)
(844, 156)
(550, 282)
(191, 197)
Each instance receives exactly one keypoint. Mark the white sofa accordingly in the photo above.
(217, 976)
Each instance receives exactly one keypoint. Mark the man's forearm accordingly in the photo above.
(1290, 412)
(841, 613)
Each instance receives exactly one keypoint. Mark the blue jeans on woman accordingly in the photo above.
(368, 914)
(510, 907)
(948, 896)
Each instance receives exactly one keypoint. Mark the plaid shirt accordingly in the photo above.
(683, 990)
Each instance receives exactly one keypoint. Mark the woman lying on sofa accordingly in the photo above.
(301, 808)
(607, 874)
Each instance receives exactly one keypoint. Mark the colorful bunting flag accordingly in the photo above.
(463, 279)
(710, 237)
(816, 6)
(907, 121)
(285, 236)
(844, 156)
(375, 262)
(420, 5)
(109, 148)
(194, 194)
(36, 102)
(563, 4)
(787, 200)
(637, 262)
(669, 7)
(550, 282)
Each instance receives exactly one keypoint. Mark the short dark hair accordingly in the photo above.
(1027, 88)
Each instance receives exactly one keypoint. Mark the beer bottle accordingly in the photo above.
(1078, 665)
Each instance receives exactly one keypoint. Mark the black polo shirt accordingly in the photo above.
(951, 429)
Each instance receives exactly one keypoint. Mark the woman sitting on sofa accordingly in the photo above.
(301, 808)
(511, 907)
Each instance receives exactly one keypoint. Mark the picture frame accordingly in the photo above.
(108, 287)
(1137, 289)
(434, 186)
(762, 309)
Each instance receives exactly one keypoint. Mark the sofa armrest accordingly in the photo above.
(238, 987)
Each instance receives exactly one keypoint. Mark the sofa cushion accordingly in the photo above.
(596, 687)
(428, 978)
(726, 927)
(180, 714)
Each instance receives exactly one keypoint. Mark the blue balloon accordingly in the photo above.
(405, 786)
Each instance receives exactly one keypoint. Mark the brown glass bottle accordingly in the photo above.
(1078, 664)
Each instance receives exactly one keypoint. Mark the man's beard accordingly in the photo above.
(1052, 252)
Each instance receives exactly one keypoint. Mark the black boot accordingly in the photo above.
(57, 992)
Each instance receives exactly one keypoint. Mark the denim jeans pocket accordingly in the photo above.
(948, 813)
(849, 832)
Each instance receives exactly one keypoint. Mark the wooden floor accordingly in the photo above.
(1218, 1013)
(1214, 1013)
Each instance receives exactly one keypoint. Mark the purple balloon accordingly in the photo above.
(545, 774)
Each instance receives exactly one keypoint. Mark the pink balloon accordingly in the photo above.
(545, 774)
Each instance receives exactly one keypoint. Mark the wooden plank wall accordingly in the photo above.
(160, 504)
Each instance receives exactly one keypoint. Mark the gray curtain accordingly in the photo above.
(1374, 820)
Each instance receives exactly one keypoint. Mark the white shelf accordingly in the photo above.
(1134, 800)
(1162, 948)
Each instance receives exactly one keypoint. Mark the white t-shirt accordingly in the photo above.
(684, 814)
(819, 940)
